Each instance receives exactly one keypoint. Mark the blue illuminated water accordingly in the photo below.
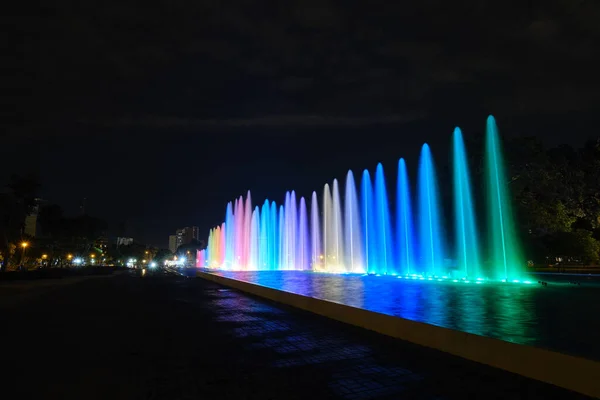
(561, 316)
(368, 223)
(467, 243)
(404, 222)
(430, 221)
(384, 242)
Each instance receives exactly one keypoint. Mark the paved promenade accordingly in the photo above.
(173, 338)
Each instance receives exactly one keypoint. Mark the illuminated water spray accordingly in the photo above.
(247, 227)
(280, 240)
(253, 254)
(355, 233)
(315, 232)
(303, 248)
(352, 231)
(404, 222)
(337, 231)
(430, 223)
(273, 237)
(290, 231)
(328, 237)
(264, 243)
(368, 222)
(229, 236)
(383, 247)
(507, 261)
(222, 244)
(467, 245)
(200, 258)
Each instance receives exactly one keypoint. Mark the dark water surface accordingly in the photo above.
(561, 316)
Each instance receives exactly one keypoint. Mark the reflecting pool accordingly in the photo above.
(562, 316)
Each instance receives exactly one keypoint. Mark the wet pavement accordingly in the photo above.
(174, 338)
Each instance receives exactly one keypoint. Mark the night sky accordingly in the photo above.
(160, 115)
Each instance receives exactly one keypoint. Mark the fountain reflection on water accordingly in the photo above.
(555, 317)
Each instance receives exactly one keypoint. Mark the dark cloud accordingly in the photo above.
(319, 57)
(175, 77)
(268, 121)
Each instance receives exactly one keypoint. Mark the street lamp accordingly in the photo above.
(24, 246)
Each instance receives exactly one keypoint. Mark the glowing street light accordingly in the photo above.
(69, 256)
(24, 246)
(92, 255)
(44, 256)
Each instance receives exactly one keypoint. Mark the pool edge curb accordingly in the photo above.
(566, 371)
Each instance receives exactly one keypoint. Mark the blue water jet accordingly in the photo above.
(383, 226)
(274, 236)
(368, 223)
(404, 222)
(467, 246)
(265, 242)
(280, 238)
(430, 224)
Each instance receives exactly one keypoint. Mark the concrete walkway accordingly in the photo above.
(175, 338)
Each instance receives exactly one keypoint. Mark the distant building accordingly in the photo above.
(31, 220)
(187, 235)
(173, 243)
(101, 243)
(124, 241)
(31, 225)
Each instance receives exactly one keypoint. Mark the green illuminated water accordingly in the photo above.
(467, 244)
(505, 258)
